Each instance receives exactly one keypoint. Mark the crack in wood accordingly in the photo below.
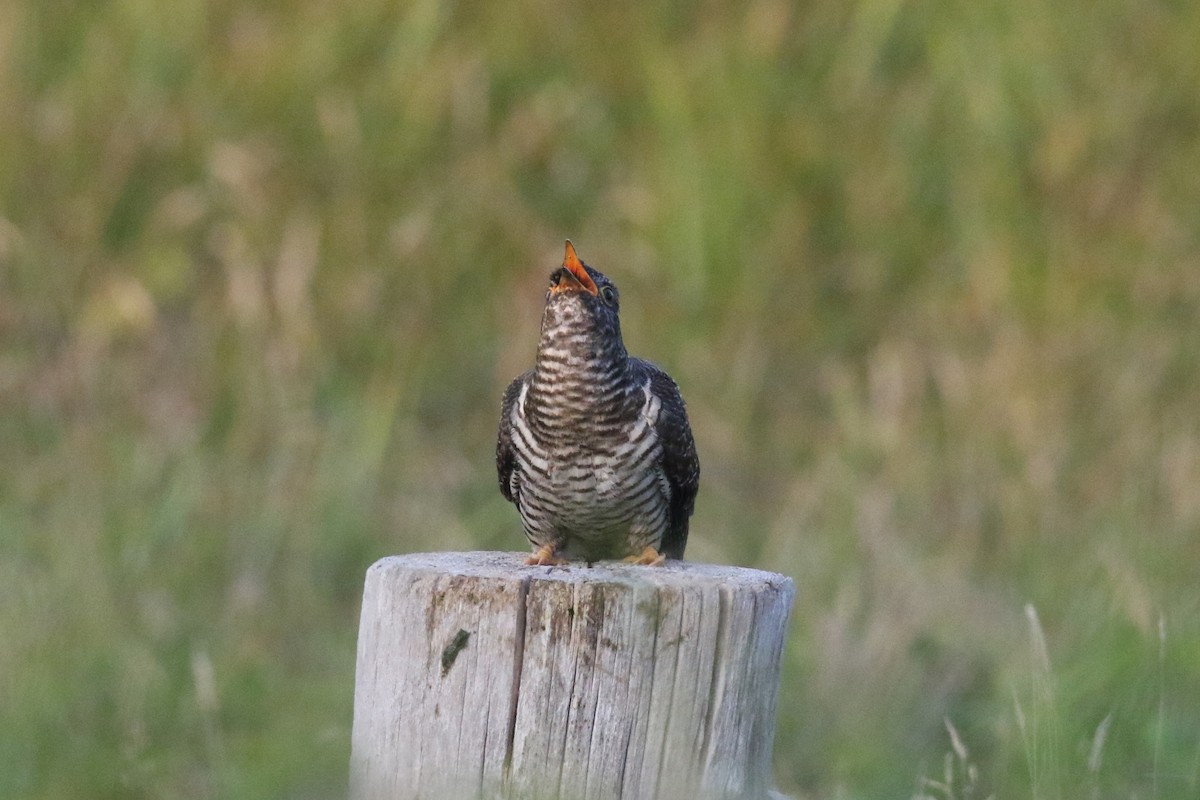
(716, 684)
(518, 666)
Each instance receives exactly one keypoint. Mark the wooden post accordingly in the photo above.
(480, 677)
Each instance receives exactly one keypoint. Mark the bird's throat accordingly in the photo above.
(577, 379)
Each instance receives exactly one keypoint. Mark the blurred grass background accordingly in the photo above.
(927, 273)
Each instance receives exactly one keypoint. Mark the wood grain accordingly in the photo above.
(480, 677)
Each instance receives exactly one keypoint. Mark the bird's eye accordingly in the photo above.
(609, 295)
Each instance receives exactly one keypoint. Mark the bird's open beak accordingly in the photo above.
(573, 277)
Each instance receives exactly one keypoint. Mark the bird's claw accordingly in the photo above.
(545, 556)
(648, 557)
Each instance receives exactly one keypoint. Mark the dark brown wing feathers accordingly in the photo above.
(680, 463)
(506, 459)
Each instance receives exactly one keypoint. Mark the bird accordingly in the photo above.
(594, 446)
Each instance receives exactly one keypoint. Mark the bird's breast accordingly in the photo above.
(592, 475)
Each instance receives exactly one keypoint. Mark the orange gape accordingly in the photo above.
(572, 262)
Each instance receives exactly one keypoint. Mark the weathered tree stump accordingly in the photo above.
(480, 677)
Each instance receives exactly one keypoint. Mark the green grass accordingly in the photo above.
(926, 273)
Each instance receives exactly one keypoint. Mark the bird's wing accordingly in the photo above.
(506, 459)
(680, 463)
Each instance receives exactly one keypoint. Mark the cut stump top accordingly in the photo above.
(671, 573)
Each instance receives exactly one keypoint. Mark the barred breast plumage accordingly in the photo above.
(594, 446)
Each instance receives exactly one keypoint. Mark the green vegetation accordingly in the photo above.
(926, 272)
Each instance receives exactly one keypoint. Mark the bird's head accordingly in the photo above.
(576, 278)
(582, 302)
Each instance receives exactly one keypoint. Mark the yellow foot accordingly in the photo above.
(649, 557)
(545, 556)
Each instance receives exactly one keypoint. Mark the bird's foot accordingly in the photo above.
(545, 556)
(648, 557)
